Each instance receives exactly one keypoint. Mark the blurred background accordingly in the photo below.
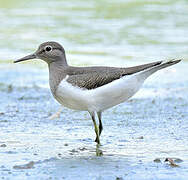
(107, 32)
(96, 32)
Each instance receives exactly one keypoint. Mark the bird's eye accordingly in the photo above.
(48, 48)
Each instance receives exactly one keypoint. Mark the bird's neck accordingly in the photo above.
(56, 74)
(61, 61)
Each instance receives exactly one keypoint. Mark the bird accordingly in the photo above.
(94, 88)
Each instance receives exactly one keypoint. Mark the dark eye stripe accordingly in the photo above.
(43, 50)
(57, 48)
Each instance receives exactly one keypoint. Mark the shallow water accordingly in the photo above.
(153, 124)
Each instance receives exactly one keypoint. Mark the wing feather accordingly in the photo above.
(94, 77)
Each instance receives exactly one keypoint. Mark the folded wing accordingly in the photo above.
(94, 77)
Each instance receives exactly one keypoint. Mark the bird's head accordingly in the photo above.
(47, 51)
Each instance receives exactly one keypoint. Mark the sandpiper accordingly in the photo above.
(92, 89)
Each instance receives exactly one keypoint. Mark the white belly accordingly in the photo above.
(100, 98)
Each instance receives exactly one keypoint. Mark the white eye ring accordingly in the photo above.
(48, 48)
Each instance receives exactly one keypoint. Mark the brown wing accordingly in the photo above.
(71, 70)
(92, 80)
(99, 76)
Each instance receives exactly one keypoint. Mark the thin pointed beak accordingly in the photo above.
(31, 56)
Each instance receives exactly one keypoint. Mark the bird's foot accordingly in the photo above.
(98, 150)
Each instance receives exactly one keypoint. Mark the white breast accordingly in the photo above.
(100, 98)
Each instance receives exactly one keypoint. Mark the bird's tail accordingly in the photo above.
(146, 73)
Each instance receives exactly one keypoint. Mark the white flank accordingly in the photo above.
(100, 98)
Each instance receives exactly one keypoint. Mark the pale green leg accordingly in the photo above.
(97, 132)
(96, 128)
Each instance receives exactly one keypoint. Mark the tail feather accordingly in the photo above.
(145, 74)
